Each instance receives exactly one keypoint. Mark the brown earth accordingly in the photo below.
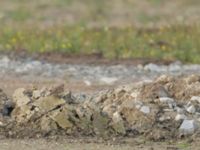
(81, 144)
(91, 59)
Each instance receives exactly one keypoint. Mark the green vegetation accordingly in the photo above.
(120, 29)
(177, 42)
(183, 145)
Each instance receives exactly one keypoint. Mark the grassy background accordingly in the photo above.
(167, 29)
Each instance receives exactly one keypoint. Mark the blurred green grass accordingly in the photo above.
(176, 42)
(116, 29)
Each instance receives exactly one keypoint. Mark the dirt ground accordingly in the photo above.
(67, 144)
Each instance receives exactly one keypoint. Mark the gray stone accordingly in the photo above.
(164, 118)
(166, 100)
(145, 109)
(108, 80)
(188, 127)
(179, 110)
(162, 92)
(191, 109)
(171, 103)
(152, 67)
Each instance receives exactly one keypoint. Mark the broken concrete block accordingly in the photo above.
(20, 98)
(48, 103)
(188, 127)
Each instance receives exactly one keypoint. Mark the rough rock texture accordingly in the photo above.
(165, 108)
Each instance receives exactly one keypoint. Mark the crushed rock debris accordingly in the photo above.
(164, 108)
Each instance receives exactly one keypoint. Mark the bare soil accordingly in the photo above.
(91, 144)
(91, 59)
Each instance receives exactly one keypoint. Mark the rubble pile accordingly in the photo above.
(168, 107)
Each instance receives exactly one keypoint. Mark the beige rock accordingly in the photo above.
(20, 98)
(22, 114)
(129, 103)
(118, 124)
(137, 119)
(3, 99)
(192, 78)
(109, 109)
(36, 94)
(61, 117)
(164, 79)
(84, 116)
(47, 124)
(48, 103)
(100, 124)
